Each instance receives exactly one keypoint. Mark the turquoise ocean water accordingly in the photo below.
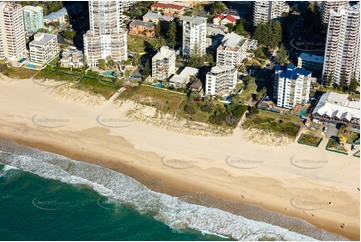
(44, 196)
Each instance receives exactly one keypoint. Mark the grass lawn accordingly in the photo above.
(138, 44)
(351, 137)
(309, 139)
(96, 87)
(57, 75)
(19, 73)
(288, 125)
(333, 145)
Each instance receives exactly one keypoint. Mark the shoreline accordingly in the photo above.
(146, 151)
(195, 194)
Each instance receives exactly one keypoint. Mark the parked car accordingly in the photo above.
(324, 129)
(353, 147)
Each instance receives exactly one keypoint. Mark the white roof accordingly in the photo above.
(311, 58)
(232, 40)
(217, 69)
(337, 105)
(189, 71)
(164, 52)
(33, 8)
(177, 79)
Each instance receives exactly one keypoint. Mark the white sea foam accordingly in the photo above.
(170, 210)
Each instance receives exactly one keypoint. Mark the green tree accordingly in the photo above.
(158, 30)
(110, 62)
(69, 34)
(329, 79)
(189, 109)
(172, 35)
(282, 56)
(230, 27)
(197, 9)
(146, 71)
(239, 29)
(217, 7)
(268, 34)
(102, 64)
(353, 84)
(342, 84)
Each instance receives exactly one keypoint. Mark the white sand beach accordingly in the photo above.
(313, 184)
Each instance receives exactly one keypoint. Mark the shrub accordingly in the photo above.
(189, 109)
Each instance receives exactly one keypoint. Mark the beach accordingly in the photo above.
(312, 184)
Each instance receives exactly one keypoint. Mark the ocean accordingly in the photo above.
(45, 196)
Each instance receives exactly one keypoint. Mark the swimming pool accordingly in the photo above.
(109, 73)
(31, 66)
(159, 85)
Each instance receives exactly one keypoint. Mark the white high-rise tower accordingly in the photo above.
(12, 34)
(106, 37)
(342, 52)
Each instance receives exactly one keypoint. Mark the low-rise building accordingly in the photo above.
(228, 19)
(72, 58)
(337, 108)
(221, 80)
(311, 62)
(140, 28)
(163, 64)
(221, 19)
(182, 79)
(168, 9)
(214, 29)
(33, 18)
(292, 86)
(58, 16)
(43, 48)
(156, 18)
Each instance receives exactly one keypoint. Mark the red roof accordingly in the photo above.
(167, 5)
(220, 16)
(230, 18)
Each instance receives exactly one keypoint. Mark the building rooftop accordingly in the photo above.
(168, 5)
(220, 16)
(337, 105)
(195, 20)
(311, 58)
(230, 18)
(42, 38)
(219, 69)
(33, 8)
(157, 16)
(55, 15)
(233, 40)
(164, 52)
(291, 71)
(141, 23)
(189, 71)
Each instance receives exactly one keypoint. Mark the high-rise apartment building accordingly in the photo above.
(292, 86)
(33, 18)
(194, 36)
(12, 35)
(106, 37)
(264, 11)
(163, 63)
(221, 80)
(326, 7)
(342, 50)
(232, 50)
(43, 48)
